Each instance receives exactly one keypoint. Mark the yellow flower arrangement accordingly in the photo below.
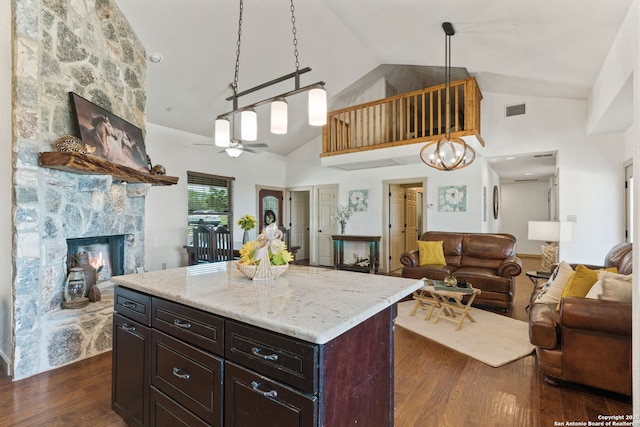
(247, 222)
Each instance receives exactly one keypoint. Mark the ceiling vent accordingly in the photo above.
(526, 180)
(514, 110)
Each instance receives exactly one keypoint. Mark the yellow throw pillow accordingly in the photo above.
(431, 253)
(581, 281)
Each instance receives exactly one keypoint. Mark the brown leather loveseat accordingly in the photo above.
(487, 261)
(588, 341)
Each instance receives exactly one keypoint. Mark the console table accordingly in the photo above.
(338, 252)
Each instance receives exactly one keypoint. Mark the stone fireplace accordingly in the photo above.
(61, 46)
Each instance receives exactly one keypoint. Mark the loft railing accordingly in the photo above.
(409, 118)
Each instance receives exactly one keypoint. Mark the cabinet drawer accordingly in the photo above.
(291, 361)
(254, 400)
(188, 375)
(132, 304)
(167, 413)
(194, 326)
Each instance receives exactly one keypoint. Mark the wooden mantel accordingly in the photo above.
(89, 165)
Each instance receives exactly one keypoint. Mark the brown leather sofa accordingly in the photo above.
(589, 340)
(487, 261)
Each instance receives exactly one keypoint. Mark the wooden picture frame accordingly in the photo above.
(108, 136)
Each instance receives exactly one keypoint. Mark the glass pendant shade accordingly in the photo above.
(222, 133)
(279, 115)
(249, 125)
(317, 107)
(233, 152)
(447, 154)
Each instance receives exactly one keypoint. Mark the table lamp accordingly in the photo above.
(549, 232)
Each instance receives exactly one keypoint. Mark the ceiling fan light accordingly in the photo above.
(222, 132)
(249, 125)
(318, 106)
(233, 151)
(279, 116)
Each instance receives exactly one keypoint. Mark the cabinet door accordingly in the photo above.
(130, 370)
(167, 413)
(253, 400)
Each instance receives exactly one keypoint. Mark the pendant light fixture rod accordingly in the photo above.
(268, 100)
(271, 83)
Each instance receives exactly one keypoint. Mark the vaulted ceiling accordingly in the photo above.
(543, 47)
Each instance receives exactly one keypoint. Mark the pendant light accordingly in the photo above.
(448, 153)
(279, 107)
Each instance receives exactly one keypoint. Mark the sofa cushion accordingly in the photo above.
(434, 272)
(616, 287)
(580, 282)
(431, 253)
(555, 285)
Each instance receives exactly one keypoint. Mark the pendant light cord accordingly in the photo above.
(295, 35)
(447, 80)
(234, 85)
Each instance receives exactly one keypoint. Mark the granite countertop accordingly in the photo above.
(310, 303)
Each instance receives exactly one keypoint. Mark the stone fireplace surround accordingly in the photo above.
(86, 47)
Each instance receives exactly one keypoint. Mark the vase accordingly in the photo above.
(245, 237)
(342, 227)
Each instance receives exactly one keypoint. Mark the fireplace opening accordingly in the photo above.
(104, 253)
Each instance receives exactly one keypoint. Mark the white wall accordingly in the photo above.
(523, 202)
(166, 207)
(590, 168)
(6, 296)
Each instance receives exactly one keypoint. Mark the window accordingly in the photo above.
(210, 201)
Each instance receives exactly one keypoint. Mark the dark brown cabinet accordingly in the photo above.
(130, 370)
(255, 400)
(199, 369)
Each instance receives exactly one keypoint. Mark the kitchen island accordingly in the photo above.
(311, 348)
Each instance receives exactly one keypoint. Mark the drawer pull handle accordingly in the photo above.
(131, 305)
(256, 352)
(127, 327)
(181, 373)
(255, 385)
(180, 324)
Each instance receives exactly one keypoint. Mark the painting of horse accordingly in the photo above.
(112, 138)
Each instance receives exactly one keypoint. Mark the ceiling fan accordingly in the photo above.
(236, 147)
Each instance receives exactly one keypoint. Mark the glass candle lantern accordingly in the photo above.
(76, 284)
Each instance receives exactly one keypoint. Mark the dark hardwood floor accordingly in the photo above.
(434, 386)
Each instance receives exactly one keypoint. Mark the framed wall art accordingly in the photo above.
(108, 136)
(452, 198)
(359, 200)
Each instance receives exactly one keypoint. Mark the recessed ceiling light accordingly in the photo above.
(528, 174)
(511, 158)
(155, 58)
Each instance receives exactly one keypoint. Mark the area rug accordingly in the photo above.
(493, 339)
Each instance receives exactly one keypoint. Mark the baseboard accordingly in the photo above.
(531, 256)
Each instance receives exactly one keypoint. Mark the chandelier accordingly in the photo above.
(448, 153)
(317, 100)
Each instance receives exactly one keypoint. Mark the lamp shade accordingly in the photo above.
(544, 231)
(317, 106)
(249, 125)
(222, 133)
(279, 117)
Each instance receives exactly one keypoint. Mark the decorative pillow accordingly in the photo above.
(616, 287)
(581, 282)
(555, 285)
(431, 253)
(595, 291)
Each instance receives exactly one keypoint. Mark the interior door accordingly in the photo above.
(396, 225)
(300, 223)
(326, 196)
(411, 220)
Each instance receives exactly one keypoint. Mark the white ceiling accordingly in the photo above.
(543, 47)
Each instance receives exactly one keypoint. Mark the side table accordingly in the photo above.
(535, 275)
